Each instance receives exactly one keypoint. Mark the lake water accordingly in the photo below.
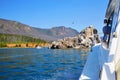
(41, 64)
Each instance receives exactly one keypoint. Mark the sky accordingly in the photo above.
(77, 14)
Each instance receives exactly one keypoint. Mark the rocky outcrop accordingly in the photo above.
(86, 38)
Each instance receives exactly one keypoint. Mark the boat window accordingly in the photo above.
(115, 19)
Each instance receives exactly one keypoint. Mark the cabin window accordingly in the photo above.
(115, 19)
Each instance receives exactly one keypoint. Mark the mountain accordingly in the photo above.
(14, 27)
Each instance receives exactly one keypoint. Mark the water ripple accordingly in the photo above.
(41, 64)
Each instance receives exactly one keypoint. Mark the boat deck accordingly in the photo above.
(95, 61)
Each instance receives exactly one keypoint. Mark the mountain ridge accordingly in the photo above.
(15, 27)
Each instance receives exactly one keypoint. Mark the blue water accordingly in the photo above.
(41, 64)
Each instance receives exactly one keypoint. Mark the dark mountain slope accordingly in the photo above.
(14, 27)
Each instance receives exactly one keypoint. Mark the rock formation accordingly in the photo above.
(86, 38)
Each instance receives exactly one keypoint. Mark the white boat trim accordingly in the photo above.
(95, 61)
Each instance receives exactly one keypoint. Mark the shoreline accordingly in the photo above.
(25, 45)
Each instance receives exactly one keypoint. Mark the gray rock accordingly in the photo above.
(86, 39)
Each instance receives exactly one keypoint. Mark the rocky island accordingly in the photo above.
(85, 39)
(16, 34)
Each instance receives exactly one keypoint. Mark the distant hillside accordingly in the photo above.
(14, 27)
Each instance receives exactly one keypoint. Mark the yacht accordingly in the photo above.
(103, 62)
